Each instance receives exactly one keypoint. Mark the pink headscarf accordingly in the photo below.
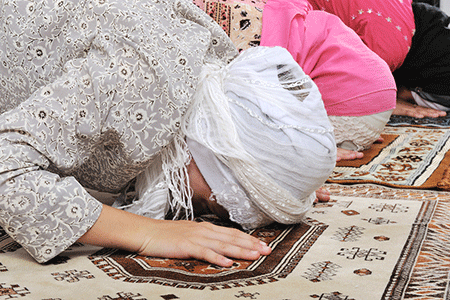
(352, 79)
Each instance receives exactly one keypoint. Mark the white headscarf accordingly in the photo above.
(259, 133)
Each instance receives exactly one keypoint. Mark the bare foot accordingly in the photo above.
(322, 195)
(405, 108)
(343, 154)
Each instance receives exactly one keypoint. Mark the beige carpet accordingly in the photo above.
(409, 157)
(369, 242)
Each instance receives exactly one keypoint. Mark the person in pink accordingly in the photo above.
(386, 27)
(357, 86)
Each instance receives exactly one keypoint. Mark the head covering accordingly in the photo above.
(259, 133)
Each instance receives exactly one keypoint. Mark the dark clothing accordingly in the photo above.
(431, 2)
(427, 65)
(443, 100)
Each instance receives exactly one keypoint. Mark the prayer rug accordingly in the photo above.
(240, 19)
(409, 157)
(443, 122)
(368, 242)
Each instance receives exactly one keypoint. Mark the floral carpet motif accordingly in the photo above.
(368, 242)
(409, 157)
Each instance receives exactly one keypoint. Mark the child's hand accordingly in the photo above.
(405, 106)
(203, 241)
(172, 239)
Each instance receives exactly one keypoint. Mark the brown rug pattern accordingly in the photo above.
(409, 157)
(289, 244)
(368, 242)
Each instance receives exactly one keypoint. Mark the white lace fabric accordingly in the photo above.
(365, 130)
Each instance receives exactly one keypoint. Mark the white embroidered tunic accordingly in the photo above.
(91, 91)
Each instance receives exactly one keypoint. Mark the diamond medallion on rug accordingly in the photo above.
(289, 244)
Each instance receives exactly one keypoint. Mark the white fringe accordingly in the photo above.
(153, 186)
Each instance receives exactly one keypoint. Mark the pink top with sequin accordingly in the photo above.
(385, 26)
(352, 79)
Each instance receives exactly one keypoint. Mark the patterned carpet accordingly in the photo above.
(409, 157)
(369, 242)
